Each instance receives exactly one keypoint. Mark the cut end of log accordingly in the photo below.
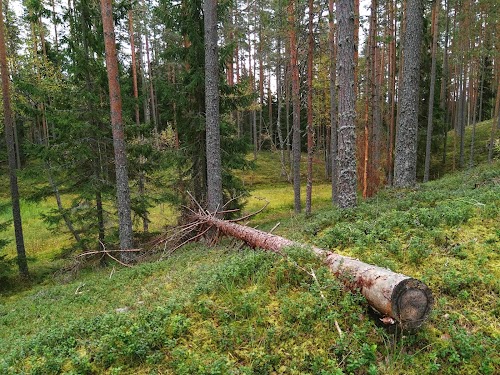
(412, 303)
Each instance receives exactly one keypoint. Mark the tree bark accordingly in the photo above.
(279, 95)
(310, 130)
(153, 111)
(494, 127)
(11, 154)
(474, 99)
(134, 67)
(121, 169)
(405, 163)
(347, 111)
(294, 67)
(333, 104)
(391, 91)
(462, 112)
(356, 45)
(444, 84)
(214, 164)
(430, 116)
(407, 300)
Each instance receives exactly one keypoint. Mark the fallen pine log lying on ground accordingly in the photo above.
(406, 300)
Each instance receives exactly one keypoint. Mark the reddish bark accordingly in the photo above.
(294, 67)
(122, 188)
(134, 67)
(310, 130)
(407, 300)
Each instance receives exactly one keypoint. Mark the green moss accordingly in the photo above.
(224, 310)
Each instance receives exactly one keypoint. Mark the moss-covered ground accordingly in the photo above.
(233, 310)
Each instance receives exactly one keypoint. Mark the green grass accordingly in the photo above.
(224, 310)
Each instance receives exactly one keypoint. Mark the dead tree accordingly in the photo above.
(406, 300)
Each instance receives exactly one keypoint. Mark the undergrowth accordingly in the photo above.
(227, 311)
(232, 310)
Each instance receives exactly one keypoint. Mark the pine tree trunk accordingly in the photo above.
(405, 163)
(11, 154)
(347, 111)
(391, 91)
(17, 145)
(270, 113)
(54, 23)
(444, 84)
(461, 114)
(430, 116)
(474, 100)
(100, 220)
(134, 68)
(122, 188)
(370, 103)
(295, 104)
(141, 182)
(494, 127)
(214, 165)
(333, 104)
(279, 94)
(152, 94)
(310, 130)
(377, 118)
(407, 300)
(287, 108)
(356, 45)
(261, 85)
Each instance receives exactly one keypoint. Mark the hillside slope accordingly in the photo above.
(227, 311)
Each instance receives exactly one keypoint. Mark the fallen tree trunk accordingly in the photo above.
(406, 300)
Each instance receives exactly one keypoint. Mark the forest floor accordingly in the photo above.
(232, 310)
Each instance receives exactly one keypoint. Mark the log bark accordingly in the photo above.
(407, 300)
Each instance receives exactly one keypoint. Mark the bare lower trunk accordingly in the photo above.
(494, 128)
(296, 106)
(213, 149)
(278, 119)
(122, 188)
(310, 130)
(100, 220)
(347, 178)
(405, 161)
(391, 92)
(430, 116)
(407, 300)
(333, 104)
(9, 140)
